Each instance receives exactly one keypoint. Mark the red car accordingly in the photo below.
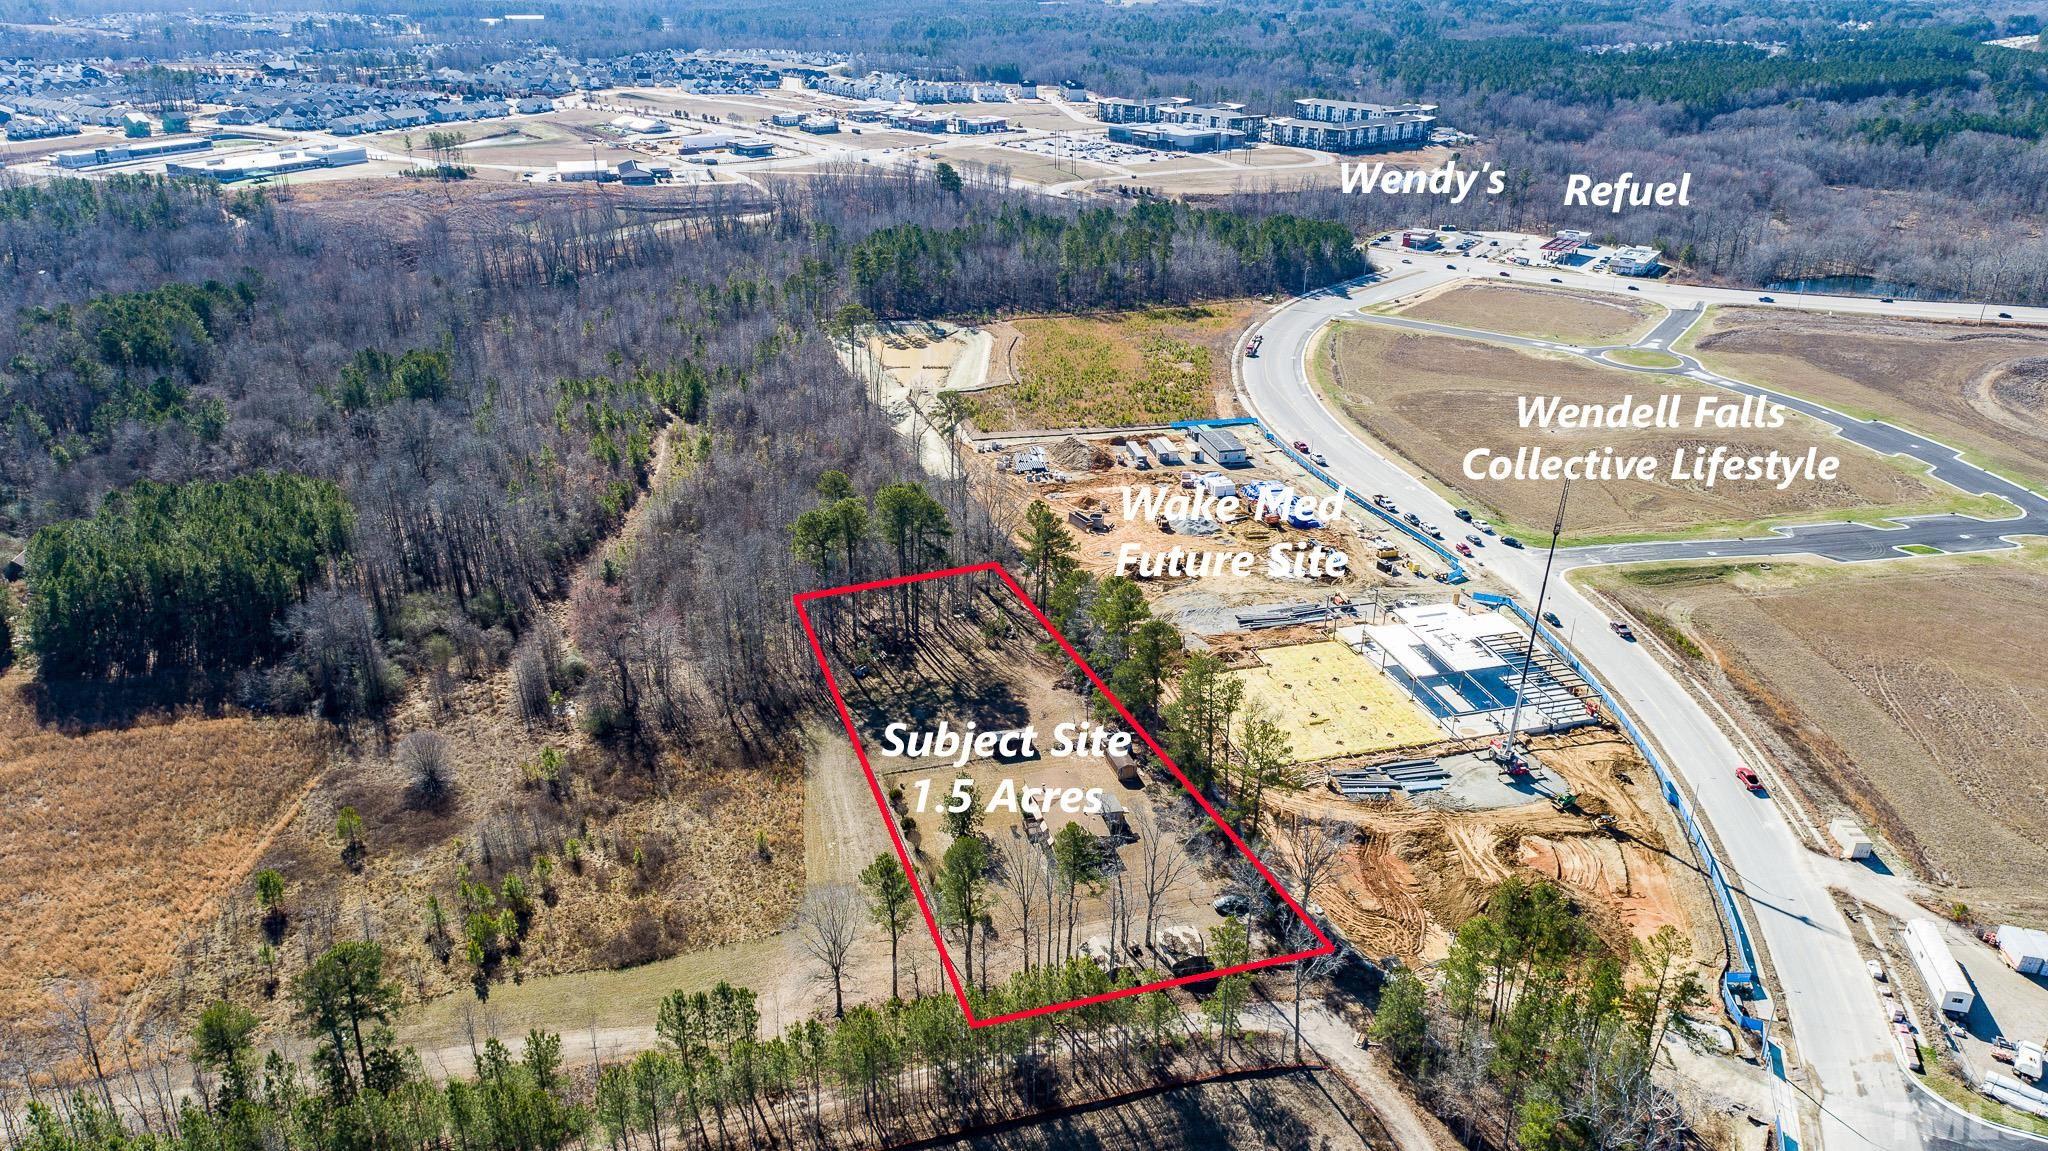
(1748, 779)
(1301, 445)
(1464, 549)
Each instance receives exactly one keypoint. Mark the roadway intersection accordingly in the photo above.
(1844, 1045)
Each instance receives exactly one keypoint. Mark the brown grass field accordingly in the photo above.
(115, 842)
(1982, 388)
(1438, 397)
(1895, 687)
(1107, 371)
(1539, 313)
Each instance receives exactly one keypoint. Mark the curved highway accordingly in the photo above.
(1843, 1042)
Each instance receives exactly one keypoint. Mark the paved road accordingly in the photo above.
(1844, 1043)
(1846, 542)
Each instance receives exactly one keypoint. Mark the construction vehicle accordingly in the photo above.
(1566, 802)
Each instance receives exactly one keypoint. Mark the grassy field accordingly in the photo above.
(1982, 388)
(1436, 398)
(1107, 371)
(116, 843)
(1539, 313)
(1891, 687)
(1645, 358)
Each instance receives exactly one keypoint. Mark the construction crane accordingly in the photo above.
(1508, 751)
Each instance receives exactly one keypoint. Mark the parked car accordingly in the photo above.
(1475, 539)
(1301, 445)
(1511, 541)
(1433, 530)
(1483, 526)
(1322, 461)
(1875, 968)
(1622, 629)
(1412, 518)
(1463, 514)
(1464, 549)
(1748, 778)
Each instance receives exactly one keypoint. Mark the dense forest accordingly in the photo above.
(237, 429)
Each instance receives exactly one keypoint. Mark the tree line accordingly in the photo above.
(712, 1079)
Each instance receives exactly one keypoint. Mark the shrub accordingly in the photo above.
(424, 757)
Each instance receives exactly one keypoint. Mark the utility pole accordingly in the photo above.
(1536, 623)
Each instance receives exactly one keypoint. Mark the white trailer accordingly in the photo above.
(1947, 986)
(2024, 949)
(1850, 842)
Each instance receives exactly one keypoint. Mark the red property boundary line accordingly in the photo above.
(1325, 947)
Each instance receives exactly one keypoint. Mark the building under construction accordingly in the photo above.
(1464, 665)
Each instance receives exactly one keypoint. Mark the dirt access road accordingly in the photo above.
(611, 1013)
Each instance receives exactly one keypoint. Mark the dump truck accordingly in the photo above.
(1088, 521)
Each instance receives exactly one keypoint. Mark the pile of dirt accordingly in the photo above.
(1075, 454)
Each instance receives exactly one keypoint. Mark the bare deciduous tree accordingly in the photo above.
(424, 758)
(826, 927)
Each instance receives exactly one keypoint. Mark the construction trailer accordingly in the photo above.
(1125, 765)
(1947, 987)
(1850, 842)
(1165, 451)
(2024, 949)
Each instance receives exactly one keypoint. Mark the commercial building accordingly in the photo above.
(1348, 126)
(264, 165)
(127, 153)
(1636, 262)
(818, 125)
(1176, 137)
(1220, 446)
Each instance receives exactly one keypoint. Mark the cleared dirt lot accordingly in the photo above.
(1982, 388)
(115, 842)
(1568, 317)
(1154, 366)
(1893, 690)
(1435, 398)
(1417, 868)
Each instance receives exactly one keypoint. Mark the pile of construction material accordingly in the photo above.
(1408, 776)
(1289, 615)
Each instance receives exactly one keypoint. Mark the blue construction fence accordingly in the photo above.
(1740, 985)
(1457, 573)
